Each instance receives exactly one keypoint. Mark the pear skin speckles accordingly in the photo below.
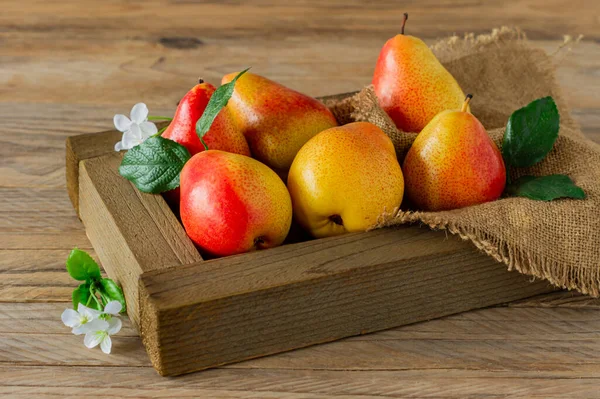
(346, 174)
(223, 134)
(276, 120)
(232, 203)
(412, 86)
(453, 163)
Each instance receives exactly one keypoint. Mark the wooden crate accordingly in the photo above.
(194, 314)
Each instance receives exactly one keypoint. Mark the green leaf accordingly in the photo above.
(217, 101)
(531, 133)
(82, 267)
(81, 295)
(545, 188)
(112, 291)
(154, 166)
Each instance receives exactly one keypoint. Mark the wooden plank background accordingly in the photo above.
(67, 66)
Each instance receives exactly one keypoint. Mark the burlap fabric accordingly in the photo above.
(559, 240)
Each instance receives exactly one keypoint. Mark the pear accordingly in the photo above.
(344, 179)
(411, 84)
(231, 203)
(275, 120)
(453, 163)
(223, 134)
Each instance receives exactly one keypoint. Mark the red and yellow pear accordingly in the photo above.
(275, 119)
(223, 134)
(412, 86)
(453, 163)
(231, 203)
(343, 179)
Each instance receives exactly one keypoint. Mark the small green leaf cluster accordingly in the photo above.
(530, 135)
(96, 291)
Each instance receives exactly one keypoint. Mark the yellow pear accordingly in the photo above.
(344, 178)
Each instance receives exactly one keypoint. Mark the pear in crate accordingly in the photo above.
(412, 86)
(231, 203)
(344, 178)
(223, 133)
(453, 163)
(275, 120)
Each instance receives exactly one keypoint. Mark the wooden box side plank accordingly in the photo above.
(296, 262)
(222, 311)
(88, 146)
(132, 232)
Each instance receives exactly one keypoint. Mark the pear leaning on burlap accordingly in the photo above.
(275, 119)
(453, 163)
(411, 84)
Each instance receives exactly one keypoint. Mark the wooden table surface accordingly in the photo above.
(66, 67)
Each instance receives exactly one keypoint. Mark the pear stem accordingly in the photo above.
(200, 80)
(404, 22)
(465, 105)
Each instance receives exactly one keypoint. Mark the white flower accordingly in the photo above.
(135, 130)
(97, 325)
(112, 308)
(102, 336)
(82, 320)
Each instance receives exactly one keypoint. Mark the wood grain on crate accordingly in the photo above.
(65, 71)
(242, 307)
(138, 231)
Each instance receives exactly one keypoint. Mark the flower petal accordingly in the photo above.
(82, 329)
(139, 113)
(118, 146)
(96, 325)
(113, 307)
(89, 313)
(148, 129)
(132, 138)
(70, 318)
(121, 122)
(114, 326)
(93, 338)
(106, 344)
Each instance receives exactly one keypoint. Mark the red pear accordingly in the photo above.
(223, 135)
(232, 203)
